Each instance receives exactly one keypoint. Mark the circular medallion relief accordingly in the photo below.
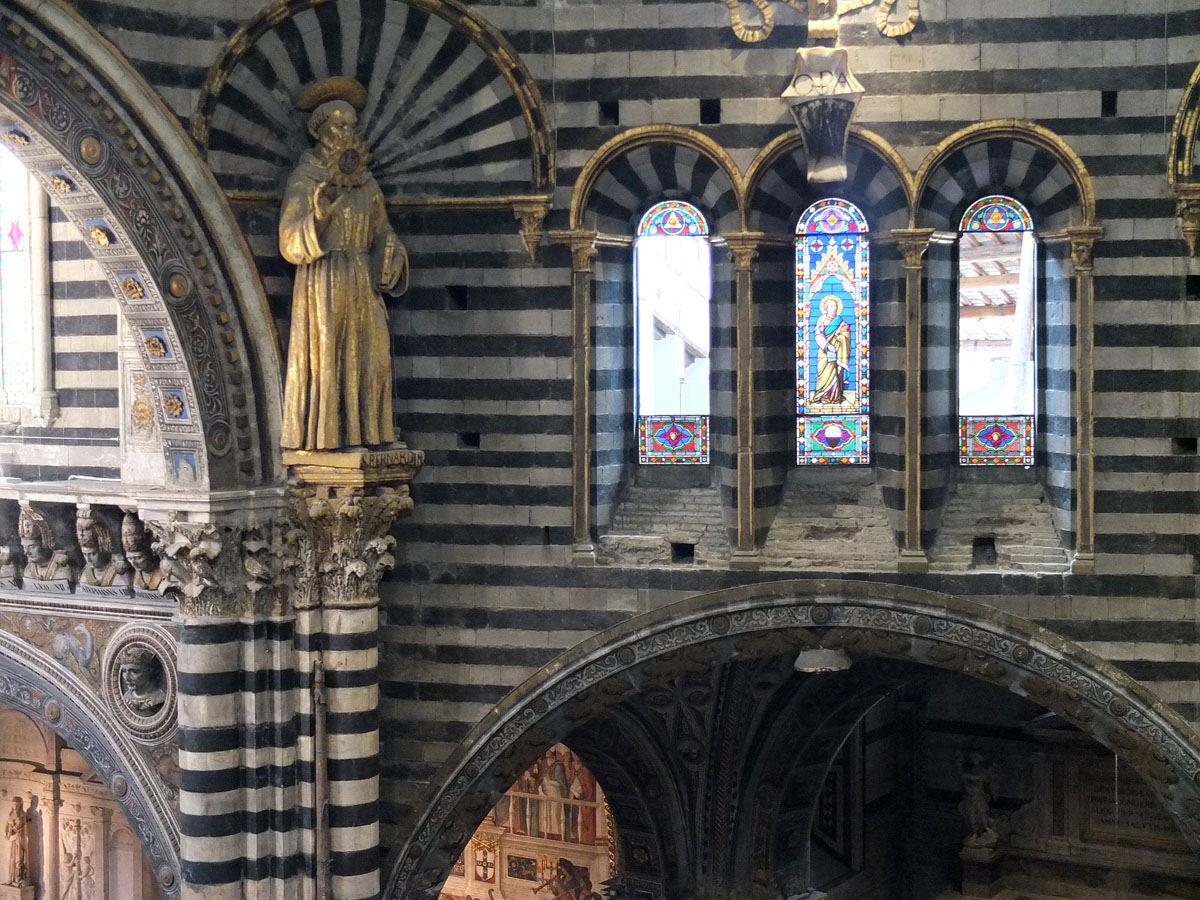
(139, 681)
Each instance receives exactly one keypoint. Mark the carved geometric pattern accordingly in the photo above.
(154, 232)
(936, 630)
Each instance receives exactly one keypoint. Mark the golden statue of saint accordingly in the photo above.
(333, 227)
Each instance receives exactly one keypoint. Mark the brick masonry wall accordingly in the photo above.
(484, 593)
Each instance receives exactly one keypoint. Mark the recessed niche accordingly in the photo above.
(456, 296)
(683, 553)
(983, 551)
(710, 112)
(609, 112)
(1184, 446)
(469, 440)
(1108, 104)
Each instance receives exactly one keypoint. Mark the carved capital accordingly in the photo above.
(1187, 200)
(913, 242)
(1083, 241)
(583, 252)
(531, 214)
(344, 505)
(202, 563)
(346, 545)
(272, 559)
(743, 248)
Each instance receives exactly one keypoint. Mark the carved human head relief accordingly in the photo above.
(35, 536)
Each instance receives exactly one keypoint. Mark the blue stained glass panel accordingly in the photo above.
(832, 335)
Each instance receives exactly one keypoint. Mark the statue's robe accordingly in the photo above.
(339, 372)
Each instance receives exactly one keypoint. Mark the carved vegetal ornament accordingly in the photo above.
(823, 94)
(761, 21)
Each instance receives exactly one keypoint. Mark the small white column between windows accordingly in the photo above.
(43, 399)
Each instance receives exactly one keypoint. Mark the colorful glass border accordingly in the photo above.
(832, 216)
(996, 213)
(657, 444)
(673, 218)
(980, 440)
(821, 252)
(851, 440)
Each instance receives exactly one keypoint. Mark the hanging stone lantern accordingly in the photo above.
(822, 97)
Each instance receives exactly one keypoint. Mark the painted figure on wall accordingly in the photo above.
(569, 882)
(15, 833)
(333, 227)
(832, 335)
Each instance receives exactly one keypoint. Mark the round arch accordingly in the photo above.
(261, 96)
(865, 141)
(1028, 133)
(891, 621)
(635, 138)
(50, 694)
(71, 105)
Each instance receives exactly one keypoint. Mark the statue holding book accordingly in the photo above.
(333, 227)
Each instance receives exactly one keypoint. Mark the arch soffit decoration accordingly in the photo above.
(167, 225)
(454, 12)
(788, 143)
(1181, 162)
(51, 695)
(1024, 132)
(877, 619)
(634, 138)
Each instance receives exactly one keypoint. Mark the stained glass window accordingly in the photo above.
(832, 335)
(997, 318)
(673, 283)
(16, 327)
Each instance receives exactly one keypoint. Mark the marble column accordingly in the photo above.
(346, 503)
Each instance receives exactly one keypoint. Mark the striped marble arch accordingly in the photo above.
(778, 191)
(952, 180)
(451, 110)
(616, 188)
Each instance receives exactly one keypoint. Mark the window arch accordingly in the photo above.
(16, 281)
(997, 328)
(672, 337)
(832, 335)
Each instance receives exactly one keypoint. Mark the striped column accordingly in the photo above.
(211, 799)
(347, 503)
(237, 716)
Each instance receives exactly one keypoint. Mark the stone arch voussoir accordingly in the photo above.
(152, 216)
(32, 682)
(875, 619)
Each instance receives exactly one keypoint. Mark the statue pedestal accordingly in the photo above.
(392, 465)
(13, 892)
(982, 872)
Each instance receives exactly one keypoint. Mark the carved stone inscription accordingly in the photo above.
(1123, 810)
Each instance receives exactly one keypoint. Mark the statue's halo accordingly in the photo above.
(338, 87)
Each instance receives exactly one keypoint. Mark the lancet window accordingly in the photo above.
(673, 289)
(832, 335)
(997, 327)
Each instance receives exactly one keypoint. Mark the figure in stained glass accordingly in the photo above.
(832, 335)
(832, 355)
